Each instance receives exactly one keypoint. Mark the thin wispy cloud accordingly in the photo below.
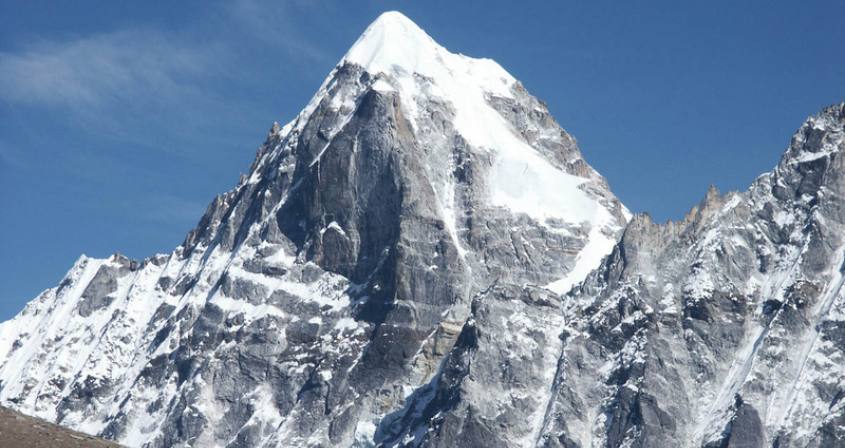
(114, 84)
(134, 84)
(99, 70)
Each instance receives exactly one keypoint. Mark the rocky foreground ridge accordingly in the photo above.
(20, 431)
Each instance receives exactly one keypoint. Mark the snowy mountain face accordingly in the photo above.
(723, 330)
(329, 299)
(423, 258)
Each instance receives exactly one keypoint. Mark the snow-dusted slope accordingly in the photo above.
(722, 330)
(326, 292)
(423, 257)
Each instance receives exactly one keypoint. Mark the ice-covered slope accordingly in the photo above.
(323, 296)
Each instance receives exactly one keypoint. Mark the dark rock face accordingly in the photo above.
(380, 277)
(98, 293)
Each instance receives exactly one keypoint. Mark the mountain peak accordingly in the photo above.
(395, 21)
(393, 40)
(412, 180)
(395, 45)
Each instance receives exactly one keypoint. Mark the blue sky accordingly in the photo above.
(119, 122)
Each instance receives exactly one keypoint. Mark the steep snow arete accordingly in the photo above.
(422, 257)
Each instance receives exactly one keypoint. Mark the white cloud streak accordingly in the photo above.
(146, 82)
(100, 70)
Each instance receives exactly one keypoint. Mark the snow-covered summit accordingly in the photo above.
(394, 44)
(533, 169)
(406, 60)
